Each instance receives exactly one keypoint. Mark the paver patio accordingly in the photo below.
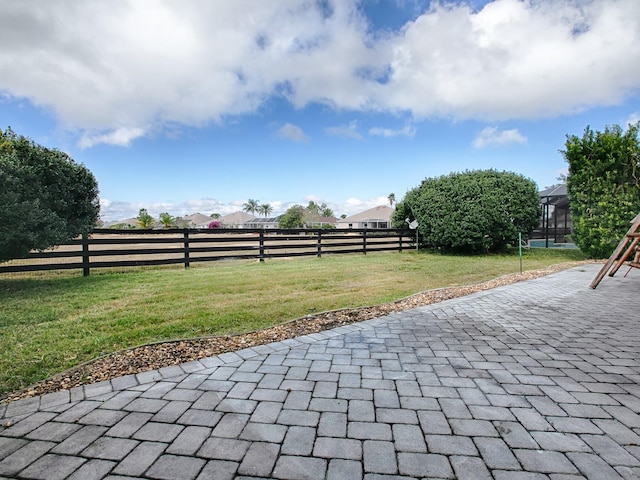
(536, 380)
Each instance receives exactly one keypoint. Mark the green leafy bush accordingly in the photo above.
(603, 186)
(474, 211)
(45, 197)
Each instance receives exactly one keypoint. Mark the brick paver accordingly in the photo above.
(535, 380)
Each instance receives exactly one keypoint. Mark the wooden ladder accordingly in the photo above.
(627, 246)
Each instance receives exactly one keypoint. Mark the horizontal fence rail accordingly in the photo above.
(107, 248)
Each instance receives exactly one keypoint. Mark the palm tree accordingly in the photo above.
(391, 198)
(251, 206)
(144, 219)
(326, 212)
(167, 220)
(265, 210)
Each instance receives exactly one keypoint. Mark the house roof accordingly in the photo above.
(556, 195)
(133, 221)
(555, 191)
(197, 219)
(381, 212)
(235, 218)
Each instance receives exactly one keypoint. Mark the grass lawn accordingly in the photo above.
(51, 323)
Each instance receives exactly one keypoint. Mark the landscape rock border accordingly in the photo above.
(163, 354)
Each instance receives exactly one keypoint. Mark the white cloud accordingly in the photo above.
(116, 66)
(121, 137)
(313, 198)
(292, 132)
(408, 131)
(345, 131)
(515, 59)
(353, 202)
(356, 205)
(491, 136)
(633, 119)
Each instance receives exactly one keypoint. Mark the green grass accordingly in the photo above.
(51, 323)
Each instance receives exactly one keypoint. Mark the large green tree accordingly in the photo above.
(474, 211)
(603, 186)
(292, 218)
(45, 197)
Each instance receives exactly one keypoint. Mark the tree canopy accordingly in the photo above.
(292, 218)
(45, 197)
(319, 209)
(603, 186)
(144, 218)
(474, 211)
(167, 220)
(265, 209)
(251, 206)
(392, 199)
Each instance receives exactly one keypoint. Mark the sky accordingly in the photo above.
(200, 105)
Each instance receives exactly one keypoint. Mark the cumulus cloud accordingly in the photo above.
(123, 66)
(408, 131)
(353, 202)
(515, 59)
(121, 137)
(633, 119)
(354, 205)
(292, 132)
(491, 136)
(349, 130)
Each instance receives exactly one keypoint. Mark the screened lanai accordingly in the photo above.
(555, 224)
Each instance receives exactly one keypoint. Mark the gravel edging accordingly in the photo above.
(157, 355)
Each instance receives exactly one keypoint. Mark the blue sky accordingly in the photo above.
(197, 106)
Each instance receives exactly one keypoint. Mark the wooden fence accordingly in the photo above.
(106, 248)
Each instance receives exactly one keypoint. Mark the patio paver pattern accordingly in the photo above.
(535, 380)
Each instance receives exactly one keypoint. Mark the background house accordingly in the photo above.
(196, 220)
(126, 224)
(376, 217)
(235, 220)
(264, 223)
(315, 220)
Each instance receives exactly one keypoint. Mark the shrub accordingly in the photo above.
(45, 197)
(474, 211)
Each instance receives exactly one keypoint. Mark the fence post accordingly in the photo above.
(400, 241)
(261, 256)
(364, 241)
(85, 255)
(319, 243)
(186, 248)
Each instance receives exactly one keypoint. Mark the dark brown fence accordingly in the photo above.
(106, 248)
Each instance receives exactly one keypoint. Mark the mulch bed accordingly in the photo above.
(158, 355)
